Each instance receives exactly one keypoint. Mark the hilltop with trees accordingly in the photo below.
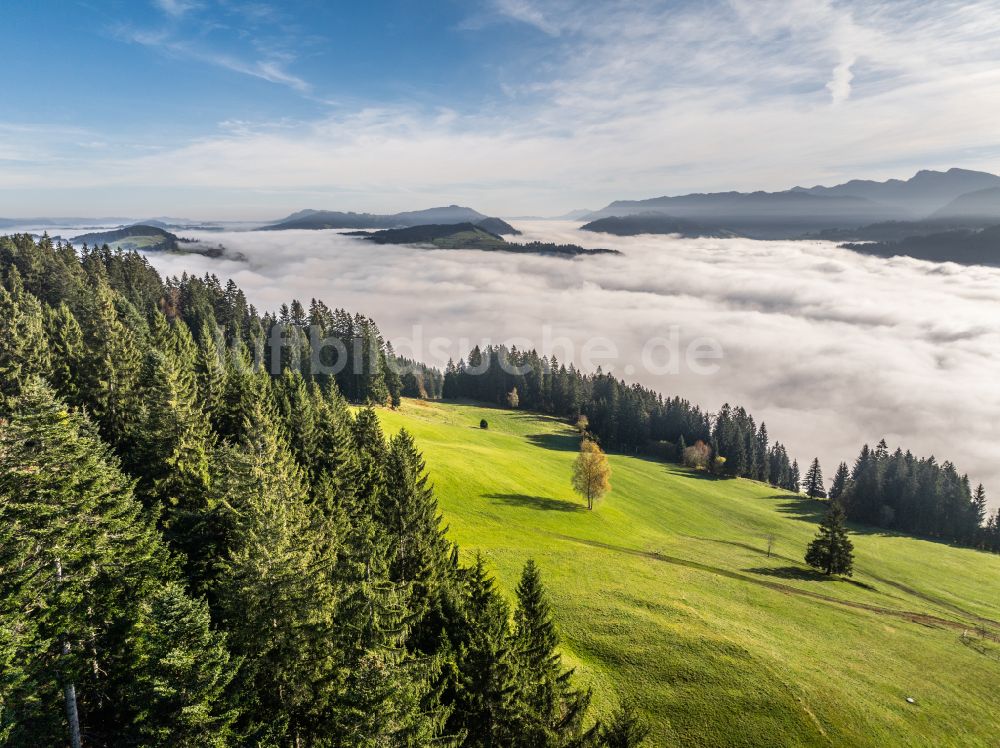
(473, 236)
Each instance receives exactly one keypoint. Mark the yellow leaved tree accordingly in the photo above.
(591, 473)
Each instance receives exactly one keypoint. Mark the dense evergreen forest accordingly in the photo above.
(197, 550)
(898, 491)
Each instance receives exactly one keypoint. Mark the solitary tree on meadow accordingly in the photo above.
(832, 551)
(591, 473)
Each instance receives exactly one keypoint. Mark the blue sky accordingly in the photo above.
(225, 108)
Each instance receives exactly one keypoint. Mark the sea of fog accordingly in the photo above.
(830, 348)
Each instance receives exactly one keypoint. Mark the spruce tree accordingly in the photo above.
(814, 480)
(171, 451)
(623, 729)
(978, 507)
(108, 382)
(832, 550)
(275, 589)
(486, 709)
(79, 557)
(24, 350)
(840, 481)
(372, 452)
(408, 514)
(794, 478)
(65, 337)
(210, 372)
(334, 462)
(390, 569)
(183, 671)
(553, 709)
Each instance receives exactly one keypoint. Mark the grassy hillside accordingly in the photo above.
(665, 593)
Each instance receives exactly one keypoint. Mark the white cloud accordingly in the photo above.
(840, 84)
(175, 8)
(830, 348)
(272, 67)
(527, 12)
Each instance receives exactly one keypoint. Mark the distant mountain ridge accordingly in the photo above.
(332, 219)
(802, 211)
(981, 204)
(922, 194)
(764, 215)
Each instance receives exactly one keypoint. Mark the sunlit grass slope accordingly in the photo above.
(665, 594)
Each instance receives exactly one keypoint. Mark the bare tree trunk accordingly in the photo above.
(69, 690)
(72, 716)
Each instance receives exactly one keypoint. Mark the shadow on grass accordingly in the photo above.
(792, 572)
(558, 442)
(679, 469)
(541, 503)
(814, 510)
(805, 509)
(804, 574)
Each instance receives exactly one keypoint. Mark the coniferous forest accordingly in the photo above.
(196, 552)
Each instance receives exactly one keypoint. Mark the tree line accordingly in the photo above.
(621, 416)
(898, 491)
(202, 544)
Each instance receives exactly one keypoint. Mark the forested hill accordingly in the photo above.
(472, 236)
(653, 223)
(196, 552)
(966, 246)
(139, 237)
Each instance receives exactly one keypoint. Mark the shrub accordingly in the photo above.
(697, 456)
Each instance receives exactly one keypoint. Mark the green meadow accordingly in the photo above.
(666, 594)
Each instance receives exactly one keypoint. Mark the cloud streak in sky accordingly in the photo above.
(830, 348)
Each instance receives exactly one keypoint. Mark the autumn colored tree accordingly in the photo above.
(591, 472)
(697, 456)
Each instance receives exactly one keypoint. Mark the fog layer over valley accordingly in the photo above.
(830, 348)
